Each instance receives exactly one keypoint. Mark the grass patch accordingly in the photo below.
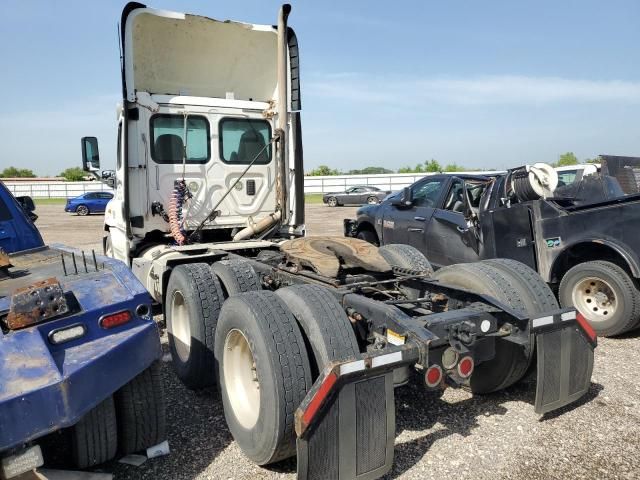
(50, 201)
(313, 198)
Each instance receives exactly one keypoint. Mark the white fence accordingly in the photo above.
(336, 183)
(55, 189)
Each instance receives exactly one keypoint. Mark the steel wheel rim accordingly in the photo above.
(82, 210)
(332, 202)
(180, 328)
(595, 298)
(241, 379)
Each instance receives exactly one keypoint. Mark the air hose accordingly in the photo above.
(179, 196)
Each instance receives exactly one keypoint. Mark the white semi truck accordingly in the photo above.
(306, 337)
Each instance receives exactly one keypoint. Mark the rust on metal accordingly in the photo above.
(35, 303)
(326, 255)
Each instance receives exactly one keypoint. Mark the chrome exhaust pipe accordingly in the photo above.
(283, 102)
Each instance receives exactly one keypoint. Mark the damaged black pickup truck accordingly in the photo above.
(582, 238)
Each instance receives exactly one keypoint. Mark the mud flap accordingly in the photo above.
(565, 351)
(355, 437)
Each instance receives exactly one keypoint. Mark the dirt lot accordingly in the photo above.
(490, 437)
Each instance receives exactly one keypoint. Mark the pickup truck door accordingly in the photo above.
(409, 224)
(449, 237)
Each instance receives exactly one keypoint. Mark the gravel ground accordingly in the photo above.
(486, 437)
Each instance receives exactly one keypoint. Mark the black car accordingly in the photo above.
(584, 240)
(356, 195)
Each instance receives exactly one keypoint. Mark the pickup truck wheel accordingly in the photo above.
(332, 201)
(82, 210)
(406, 257)
(94, 439)
(140, 410)
(511, 361)
(535, 292)
(368, 236)
(192, 305)
(605, 294)
(326, 328)
(236, 276)
(264, 373)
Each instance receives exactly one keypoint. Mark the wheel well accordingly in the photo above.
(367, 226)
(586, 252)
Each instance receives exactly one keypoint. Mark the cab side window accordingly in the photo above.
(455, 198)
(426, 194)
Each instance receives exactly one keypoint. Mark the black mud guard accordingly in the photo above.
(346, 423)
(565, 350)
(355, 438)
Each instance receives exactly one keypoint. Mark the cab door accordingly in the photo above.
(408, 224)
(451, 237)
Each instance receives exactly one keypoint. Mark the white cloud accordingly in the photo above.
(478, 90)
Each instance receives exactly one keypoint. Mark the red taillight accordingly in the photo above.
(319, 397)
(586, 326)
(115, 319)
(433, 377)
(465, 367)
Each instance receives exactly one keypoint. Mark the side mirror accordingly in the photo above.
(404, 200)
(90, 154)
(26, 203)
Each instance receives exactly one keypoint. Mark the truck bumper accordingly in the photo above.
(346, 424)
(43, 391)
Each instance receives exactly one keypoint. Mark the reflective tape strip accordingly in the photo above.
(386, 359)
(352, 367)
(539, 322)
(568, 316)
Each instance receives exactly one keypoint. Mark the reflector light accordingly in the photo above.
(586, 326)
(319, 397)
(433, 377)
(115, 319)
(66, 334)
(465, 367)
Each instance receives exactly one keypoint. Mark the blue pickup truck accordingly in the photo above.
(79, 351)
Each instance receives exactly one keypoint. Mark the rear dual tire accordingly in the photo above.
(131, 420)
(518, 287)
(270, 348)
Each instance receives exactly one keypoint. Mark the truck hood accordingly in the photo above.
(179, 54)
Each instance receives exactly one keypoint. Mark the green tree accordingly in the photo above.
(566, 159)
(323, 171)
(73, 174)
(13, 172)
(592, 160)
(432, 166)
(454, 167)
(370, 171)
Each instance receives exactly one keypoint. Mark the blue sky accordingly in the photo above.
(488, 84)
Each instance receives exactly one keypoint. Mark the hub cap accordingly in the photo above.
(180, 328)
(241, 379)
(595, 299)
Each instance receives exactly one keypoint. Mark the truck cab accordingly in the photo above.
(208, 132)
